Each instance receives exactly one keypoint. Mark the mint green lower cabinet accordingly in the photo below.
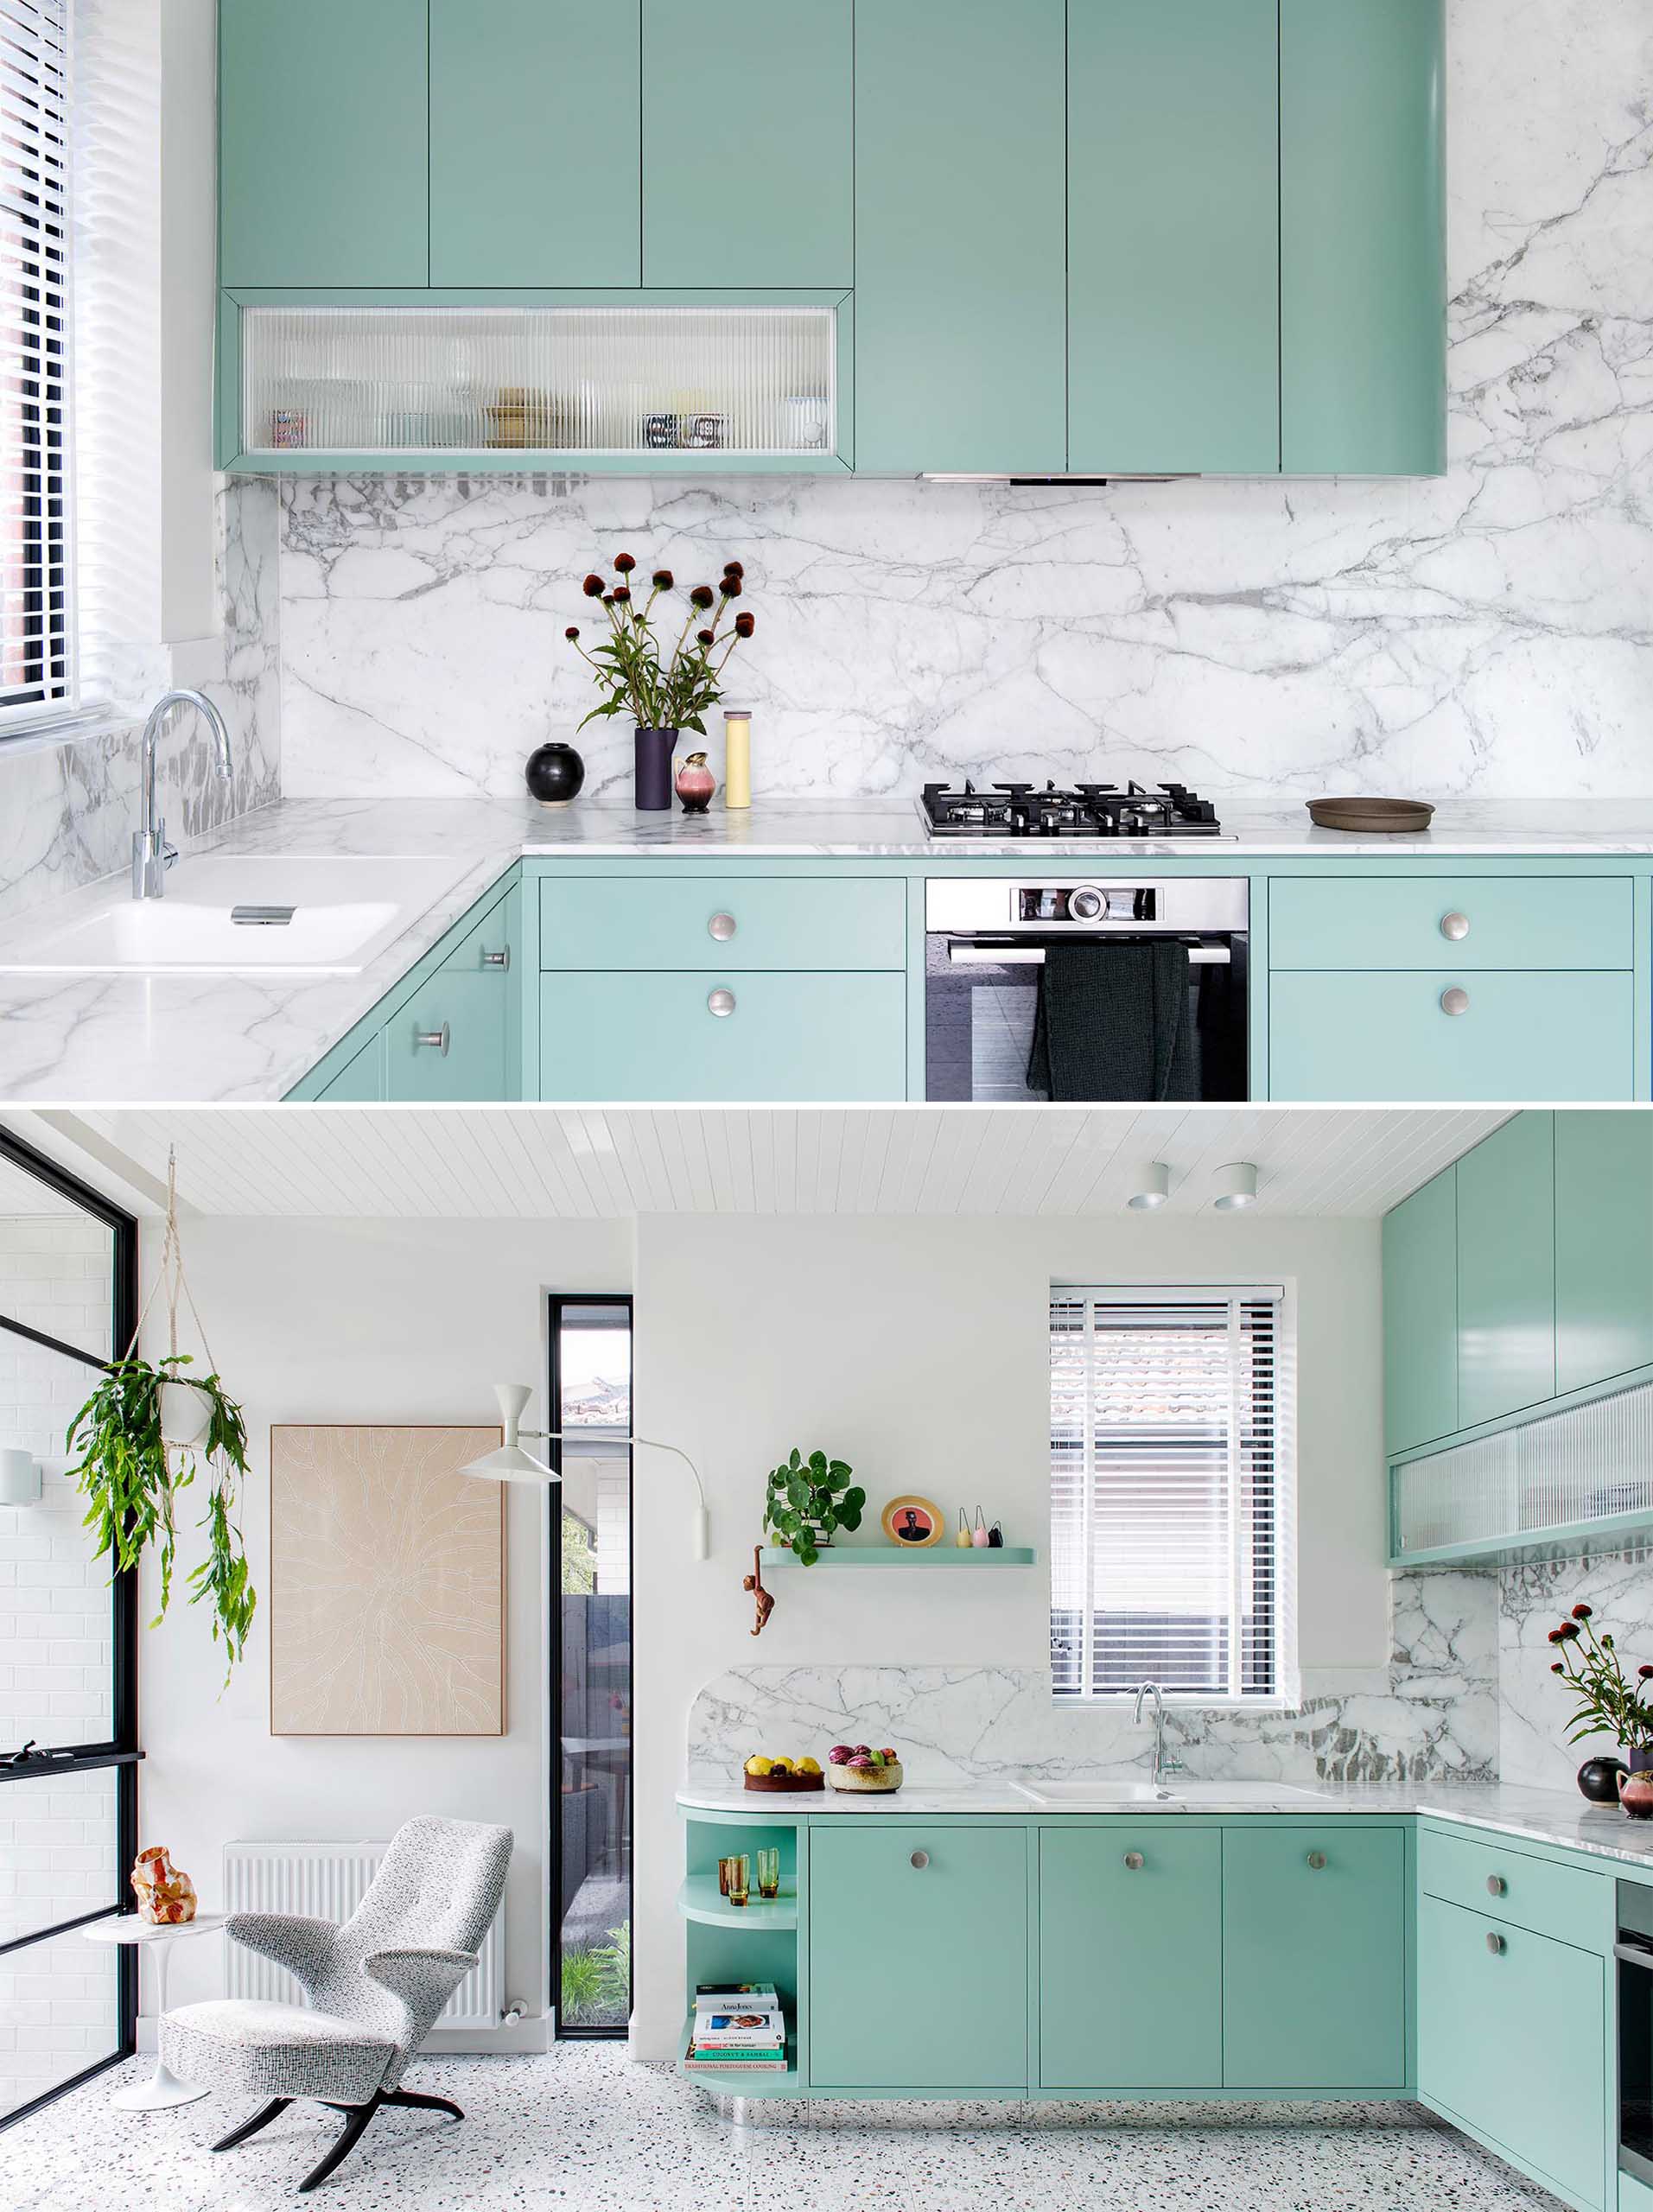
(691, 918)
(778, 1038)
(1603, 1247)
(1502, 923)
(449, 1042)
(1511, 2043)
(1314, 1956)
(1387, 1036)
(1506, 1271)
(361, 1082)
(1130, 1942)
(918, 1968)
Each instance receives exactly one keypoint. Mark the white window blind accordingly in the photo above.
(1171, 1514)
(37, 673)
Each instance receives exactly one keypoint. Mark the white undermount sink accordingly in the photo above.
(323, 914)
(1173, 1791)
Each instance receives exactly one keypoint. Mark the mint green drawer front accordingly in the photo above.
(1634, 2196)
(1512, 2043)
(362, 1081)
(733, 923)
(1130, 1948)
(1569, 1903)
(1314, 1956)
(1520, 1036)
(918, 1956)
(1467, 923)
(786, 1038)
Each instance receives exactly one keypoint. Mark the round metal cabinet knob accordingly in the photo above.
(721, 926)
(921, 1859)
(500, 960)
(1087, 904)
(1495, 1943)
(1455, 926)
(1317, 1859)
(1496, 1887)
(434, 1040)
(1133, 1860)
(721, 1002)
(1456, 1001)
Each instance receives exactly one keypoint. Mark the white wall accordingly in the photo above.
(918, 1352)
(360, 1321)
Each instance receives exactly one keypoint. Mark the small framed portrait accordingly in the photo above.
(911, 1522)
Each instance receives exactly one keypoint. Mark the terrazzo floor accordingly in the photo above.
(584, 2127)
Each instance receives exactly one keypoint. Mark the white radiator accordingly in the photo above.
(327, 1881)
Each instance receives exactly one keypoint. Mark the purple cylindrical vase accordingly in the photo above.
(651, 792)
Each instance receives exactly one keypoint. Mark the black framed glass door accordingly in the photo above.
(590, 1398)
(68, 1643)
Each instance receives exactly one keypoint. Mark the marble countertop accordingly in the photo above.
(1540, 1816)
(120, 1038)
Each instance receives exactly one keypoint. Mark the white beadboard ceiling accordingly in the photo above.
(542, 1162)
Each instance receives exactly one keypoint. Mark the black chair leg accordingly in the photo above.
(349, 2135)
(262, 2118)
(424, 2103)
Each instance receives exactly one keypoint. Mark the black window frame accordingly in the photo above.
(557, 1301)
(120, 1750)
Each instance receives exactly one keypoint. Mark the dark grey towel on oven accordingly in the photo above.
(1114, 1022)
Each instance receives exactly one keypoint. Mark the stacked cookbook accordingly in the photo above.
(739, 2029)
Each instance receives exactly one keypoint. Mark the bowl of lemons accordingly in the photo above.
(778, 1774)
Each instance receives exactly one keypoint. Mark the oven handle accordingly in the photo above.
(1033, 956)
(1632, 1955)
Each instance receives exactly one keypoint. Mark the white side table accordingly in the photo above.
(163, 2089)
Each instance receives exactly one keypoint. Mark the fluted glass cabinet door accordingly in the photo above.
(534, 143)
(322, 167)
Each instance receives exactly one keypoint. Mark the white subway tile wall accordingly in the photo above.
(57, 2005)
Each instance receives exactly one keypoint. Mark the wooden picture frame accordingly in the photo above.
(901, 1521)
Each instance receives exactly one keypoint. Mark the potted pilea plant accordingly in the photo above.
(1609, 1704)
(665, 688)
(132, 1471)
(807, 1499)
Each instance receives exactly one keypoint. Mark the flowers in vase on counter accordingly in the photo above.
(1609, 1702)
(661, 688)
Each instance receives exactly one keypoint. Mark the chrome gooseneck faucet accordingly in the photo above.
(151, 854)
(1160, 1769)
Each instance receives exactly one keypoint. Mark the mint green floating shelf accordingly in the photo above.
(700, 1899)
(938, 1555)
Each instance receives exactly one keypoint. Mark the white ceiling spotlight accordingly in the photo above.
(1153, 1186)
(1236, 1186)
(511, 1463)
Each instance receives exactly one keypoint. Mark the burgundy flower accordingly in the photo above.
(1581, 1612)
(702, 595)
(662, 580)
(1554, 1636)
(593, 586)
(1644, 1674)
(571, 634)
(622, 594)
(1569, 1631)
(744, 624)
(732, 569)
(730, 587)
(624, 563)
(704, 638)
(1556, 1668)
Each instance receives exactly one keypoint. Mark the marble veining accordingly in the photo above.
(1486, 632)
(1534, 1708)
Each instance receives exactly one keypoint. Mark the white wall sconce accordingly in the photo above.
(1152, 1187)
(511, 1463)
(20, 1478)
(1236, 1186)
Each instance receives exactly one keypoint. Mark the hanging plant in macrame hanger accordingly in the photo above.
(142, 1436)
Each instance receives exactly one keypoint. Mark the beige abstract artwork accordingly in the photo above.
(387, 1583)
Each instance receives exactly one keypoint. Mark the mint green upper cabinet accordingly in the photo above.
(1314, 1956)
(1362, 232)
(322, 138)
(1506, 1271)
(960, 240)
(1603, 1246)
(748, 131)
(935, 1917)
(1421, 1315)
(1138, 1909)
(534, 143)
(1174, 237)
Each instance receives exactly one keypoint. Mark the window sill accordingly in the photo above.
(1118, 1701)
(73, 729)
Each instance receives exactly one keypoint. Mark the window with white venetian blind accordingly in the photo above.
(37, 675)
(1171, 1492)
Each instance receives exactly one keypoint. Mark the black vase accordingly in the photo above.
(652, 782)
(1599, 1780)
(554, 774)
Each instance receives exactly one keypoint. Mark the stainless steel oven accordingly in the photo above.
(985, 941)
(1634, 1954)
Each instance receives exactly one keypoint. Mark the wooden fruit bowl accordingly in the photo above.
(877, 1783)
(781, 1785)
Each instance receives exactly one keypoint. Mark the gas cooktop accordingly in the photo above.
(1087, 810)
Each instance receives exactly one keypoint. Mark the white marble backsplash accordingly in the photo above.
(1487, 632)
(67, 811)
(1436, 1719)
(1534, 1707)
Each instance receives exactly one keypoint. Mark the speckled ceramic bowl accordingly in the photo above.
(877, 1782)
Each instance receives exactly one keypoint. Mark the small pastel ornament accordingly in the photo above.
(695, 784)
(980, 1538)
(963, 1540)
(995, 1538)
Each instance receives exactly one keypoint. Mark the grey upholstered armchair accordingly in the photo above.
(375, 1985)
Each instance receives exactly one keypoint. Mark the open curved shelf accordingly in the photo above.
(699, 1899)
